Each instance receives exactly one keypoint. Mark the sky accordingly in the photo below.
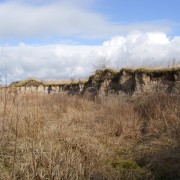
(61, 39)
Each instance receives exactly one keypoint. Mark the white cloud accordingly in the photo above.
(62, 18)
(58, 61)
(158, 38)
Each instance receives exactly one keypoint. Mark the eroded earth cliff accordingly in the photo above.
(104, 82)
(133, 82)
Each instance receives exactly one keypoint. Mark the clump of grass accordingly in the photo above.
(28, 82)
(102, 74)
(111, 71)
(152, 71)
(67, 137)
(124, 164)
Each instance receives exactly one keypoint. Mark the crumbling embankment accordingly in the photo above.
(47, 86)
(133, 82)
(103, 82)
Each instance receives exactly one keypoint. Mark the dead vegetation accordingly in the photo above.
(68, 137)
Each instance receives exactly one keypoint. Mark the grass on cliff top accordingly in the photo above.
(34, 82)
(138, 70)
(64, 83)
(27, 82)
(20, 83)
(101, 73)
(152, 71)
(104, 71)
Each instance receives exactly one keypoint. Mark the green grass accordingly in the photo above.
(124, 164)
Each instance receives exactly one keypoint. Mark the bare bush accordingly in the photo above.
(102, 63)
(68, 137)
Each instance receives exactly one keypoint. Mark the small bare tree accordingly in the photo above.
(173, 62)
(73, 76)
(102, 63)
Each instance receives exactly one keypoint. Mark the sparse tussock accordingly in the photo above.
(67, 137)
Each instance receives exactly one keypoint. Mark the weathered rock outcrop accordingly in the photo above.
(133, 82)
(103, 82)
(51, 86)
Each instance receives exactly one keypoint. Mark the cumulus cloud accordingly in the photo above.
(19, 19)
(58, 61)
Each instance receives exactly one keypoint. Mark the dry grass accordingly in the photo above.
(68, 137)
(36, 82)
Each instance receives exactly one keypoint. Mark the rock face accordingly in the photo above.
(133, 82)
(57, 86)
(103, 82)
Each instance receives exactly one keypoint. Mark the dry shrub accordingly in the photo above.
(160, 114)
(118, 118)
(67, 137)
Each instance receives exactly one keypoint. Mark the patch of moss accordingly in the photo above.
(99, 71)
(124, 164)
(127, 167)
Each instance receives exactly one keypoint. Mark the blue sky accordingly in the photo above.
(160, 15)
(141, 10)
(66, 37)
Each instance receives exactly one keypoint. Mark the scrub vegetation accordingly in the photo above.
(69, 137)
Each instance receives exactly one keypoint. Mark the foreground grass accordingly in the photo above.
(64, 137)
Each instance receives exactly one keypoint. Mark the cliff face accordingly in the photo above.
(103, 82)
(133, 82)
(50, 86)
